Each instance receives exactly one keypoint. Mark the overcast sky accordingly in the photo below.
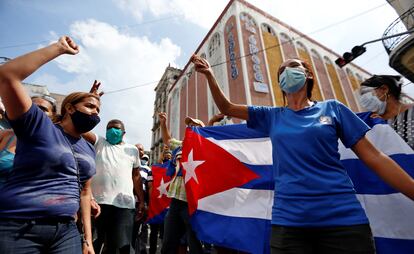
(131, 42)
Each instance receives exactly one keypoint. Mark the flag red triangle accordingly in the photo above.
(217, 170)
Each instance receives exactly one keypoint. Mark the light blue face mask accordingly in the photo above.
(372, 103)
(114, 136)
(292, 79)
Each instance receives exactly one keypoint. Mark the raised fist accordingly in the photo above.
(68, 46)
(201, 65)
(163, 117)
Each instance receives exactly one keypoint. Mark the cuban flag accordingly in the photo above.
(390, 213)
(159, 202)
(229, 184)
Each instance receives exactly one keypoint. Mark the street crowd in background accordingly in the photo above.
(64, 189)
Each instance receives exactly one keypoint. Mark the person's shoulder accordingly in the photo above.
(329, 102)
(130, 148)
(87, 145)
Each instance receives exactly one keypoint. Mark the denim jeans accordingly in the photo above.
(324, 240)
(176, 224)
(39, 236)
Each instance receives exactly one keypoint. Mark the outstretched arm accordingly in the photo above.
(384, 167)
(12, 73)
(225, 106)
(165, 132)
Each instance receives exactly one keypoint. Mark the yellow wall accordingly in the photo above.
(353, 80)
(336, 84)
(274, 60)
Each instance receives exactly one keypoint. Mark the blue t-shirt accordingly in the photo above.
(312, 188)
(44, 180)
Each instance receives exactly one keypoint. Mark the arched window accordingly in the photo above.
(284, 37)
(301, 46)
(267, 28)
(248, 18)
(327, 60)
(315, 54)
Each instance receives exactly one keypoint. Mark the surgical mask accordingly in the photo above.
(372, 103)
(84, 122)
(114, 136)
(292, 79)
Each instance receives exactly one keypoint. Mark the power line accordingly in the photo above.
(265, 49)
(132, 87)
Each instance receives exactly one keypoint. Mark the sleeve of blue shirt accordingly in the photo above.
(31, 123)
(260, 118)
(351, 127)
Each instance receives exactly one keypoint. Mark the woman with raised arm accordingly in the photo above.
(315, 208)
(53, 164)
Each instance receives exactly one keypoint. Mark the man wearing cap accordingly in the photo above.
(177, 220)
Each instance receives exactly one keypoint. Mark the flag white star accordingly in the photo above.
(163, 188)
(190, 167)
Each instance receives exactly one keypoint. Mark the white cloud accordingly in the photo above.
(118, 60)
(200, 12)
(306, 16)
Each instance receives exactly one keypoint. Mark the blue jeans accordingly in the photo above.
(39, 236)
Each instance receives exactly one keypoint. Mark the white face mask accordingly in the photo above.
(372, 103)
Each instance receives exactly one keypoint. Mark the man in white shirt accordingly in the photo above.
(117, 177)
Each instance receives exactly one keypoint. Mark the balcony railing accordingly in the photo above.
(403, 24)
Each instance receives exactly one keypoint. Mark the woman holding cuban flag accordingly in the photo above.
(315, 209)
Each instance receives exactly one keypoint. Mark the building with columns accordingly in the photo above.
(160, 105)
(245, 47)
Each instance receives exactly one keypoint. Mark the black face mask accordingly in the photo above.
(84, 122)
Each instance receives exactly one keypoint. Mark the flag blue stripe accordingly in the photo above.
(234, 131)
(246, 234)
(265, 179)
(159, 219)
(393, 246)
(367, 182)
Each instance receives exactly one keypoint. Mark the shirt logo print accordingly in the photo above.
(325, 120)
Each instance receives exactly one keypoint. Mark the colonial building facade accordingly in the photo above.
(245, 47)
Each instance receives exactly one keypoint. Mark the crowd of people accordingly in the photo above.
(64, 189)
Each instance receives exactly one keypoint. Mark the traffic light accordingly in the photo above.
(347, 57)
